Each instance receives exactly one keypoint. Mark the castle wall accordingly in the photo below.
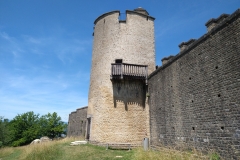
(194, 98)
(77, 123)
(117, 110)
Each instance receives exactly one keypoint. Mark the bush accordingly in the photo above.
(214, 156)
(19, 142)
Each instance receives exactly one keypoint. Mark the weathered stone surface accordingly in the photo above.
(45, 139)
(36, 141)
(77, 123)
(42, 139)
(76, 143)
(194, 98)
(117, 109)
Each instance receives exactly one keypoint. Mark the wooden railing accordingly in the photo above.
(125, 70)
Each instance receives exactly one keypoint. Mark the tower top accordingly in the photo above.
(141, 10)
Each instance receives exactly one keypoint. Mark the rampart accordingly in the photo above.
(77, 122)
(195, 96)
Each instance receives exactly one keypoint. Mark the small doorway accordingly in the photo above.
(118, 60)
(88, 128)
(118, 70)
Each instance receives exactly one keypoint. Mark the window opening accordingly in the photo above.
(118, 60)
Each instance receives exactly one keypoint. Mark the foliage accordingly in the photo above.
(24, 128)
(51, 125)
(28, 126)
(4, 132)
(214, 156)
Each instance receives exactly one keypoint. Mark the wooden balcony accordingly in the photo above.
(129, 71)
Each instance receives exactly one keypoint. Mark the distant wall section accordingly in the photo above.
(77, 122)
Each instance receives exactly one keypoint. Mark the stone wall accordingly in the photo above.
(119, 114)
(195, 96)
(77, 123)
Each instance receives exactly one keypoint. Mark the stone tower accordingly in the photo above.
(123, 54)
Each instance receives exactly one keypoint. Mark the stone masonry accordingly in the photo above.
(195, 96)
(191, 101)
(117, 110)
(77, 123)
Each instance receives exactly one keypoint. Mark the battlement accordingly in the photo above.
(105, 15)
(222, 21)
(139, 11)
(184, 45)
(166, 59)
(214, 22)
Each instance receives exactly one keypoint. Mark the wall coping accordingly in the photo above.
(216, 20)
(127, 12)
(187, 43)
(222, 24)
(106, 14)
(167, 58)
(78, 109)
(82, 108)
(73, 112)
(141, 10)
(140, 14)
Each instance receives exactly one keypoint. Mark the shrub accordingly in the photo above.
(214, 156)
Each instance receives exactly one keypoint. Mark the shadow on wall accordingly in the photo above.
(129, 93)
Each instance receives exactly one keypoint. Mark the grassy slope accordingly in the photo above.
(61, 150)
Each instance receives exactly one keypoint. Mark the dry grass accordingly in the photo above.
(62, 150)
(40, 151)
(168, 154)
(46, 150)
(6, 151)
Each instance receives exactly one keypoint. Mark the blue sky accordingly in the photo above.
(46, 45)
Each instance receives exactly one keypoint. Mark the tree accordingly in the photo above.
(51, 125)
(24, 128)
(4, 132)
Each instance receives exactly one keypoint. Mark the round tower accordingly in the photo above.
(123, 54)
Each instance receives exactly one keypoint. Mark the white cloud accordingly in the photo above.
(6, 36)
(34, 80)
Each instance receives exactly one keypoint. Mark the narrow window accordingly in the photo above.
(118, 60)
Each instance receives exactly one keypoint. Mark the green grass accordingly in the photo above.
(61, 150)
(9, 153)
